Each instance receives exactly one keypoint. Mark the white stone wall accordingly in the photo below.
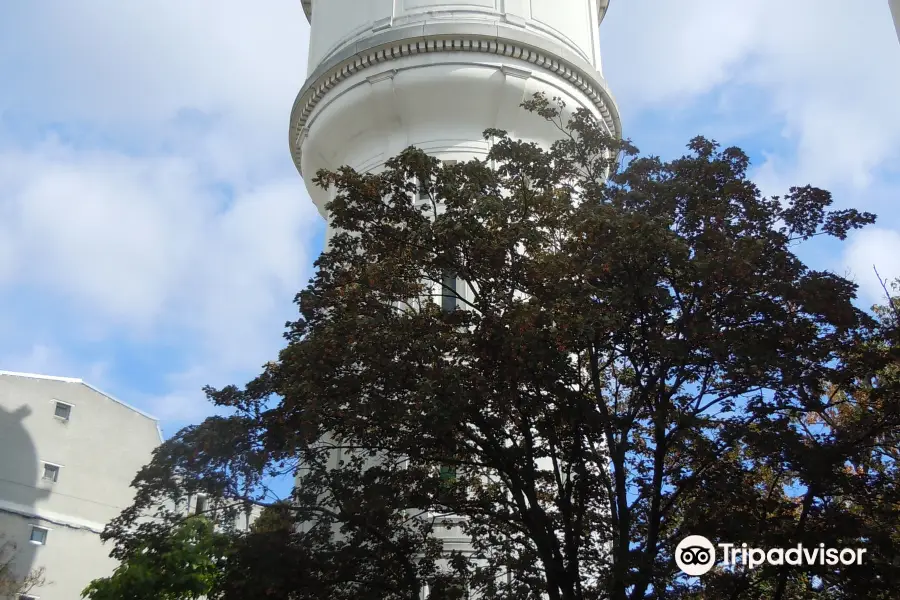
(572, 23)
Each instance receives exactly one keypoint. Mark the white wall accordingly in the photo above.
(388, 74)
(99, 449)
(337, 23)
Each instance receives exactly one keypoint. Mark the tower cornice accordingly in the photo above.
(496, 39)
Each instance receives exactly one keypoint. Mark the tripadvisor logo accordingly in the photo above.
(695, 555)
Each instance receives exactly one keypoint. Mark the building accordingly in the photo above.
(68, 454)
(388, 74)
(895, 12)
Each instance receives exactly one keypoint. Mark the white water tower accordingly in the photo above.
(388, 74)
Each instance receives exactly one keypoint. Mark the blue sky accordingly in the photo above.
(153, 231)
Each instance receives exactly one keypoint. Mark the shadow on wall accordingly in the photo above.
(19, 493)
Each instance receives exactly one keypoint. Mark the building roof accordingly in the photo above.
(84, 383)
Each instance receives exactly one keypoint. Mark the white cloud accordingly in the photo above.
(823, 71)
(123, 62)
(835, 76)
(166, 209)
(137, 247)
(45, 359)
(181, 406)
(661, 53)
(130, 238)
(103, 229)
(870, 250)
(117, 221)
(251, 262)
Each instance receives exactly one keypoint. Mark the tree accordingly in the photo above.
(275, 517)
(182, 565)
(13, 583)
(625, 351)
(866, 496)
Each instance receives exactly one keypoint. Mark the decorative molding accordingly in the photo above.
(320, 84)
(510, 71)
(382, 24)
(514, 19)
(382, 76)
(301, 135)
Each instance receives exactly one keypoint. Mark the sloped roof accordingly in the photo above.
(89, 386)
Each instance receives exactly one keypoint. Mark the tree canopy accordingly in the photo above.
(183, 565)
(573, 357)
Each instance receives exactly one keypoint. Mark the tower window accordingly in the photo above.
(62, 411)
(448, 292)
(448, 474)
(201, 505)
(38, 535)
(51, 472)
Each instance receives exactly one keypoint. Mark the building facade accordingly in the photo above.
(388, 74)
(68, 454)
